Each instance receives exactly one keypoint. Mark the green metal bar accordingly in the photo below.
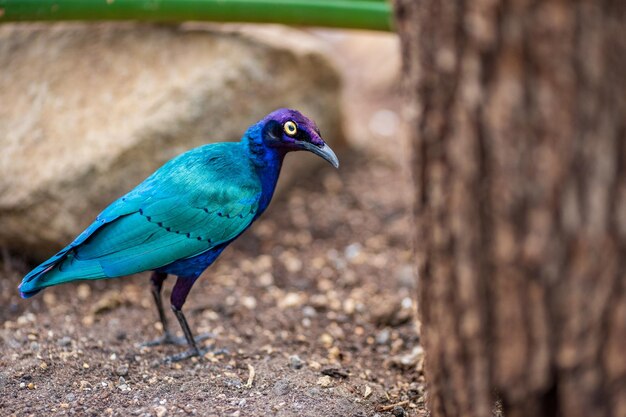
(349, 14)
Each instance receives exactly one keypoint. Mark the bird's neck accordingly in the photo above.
(267, 163)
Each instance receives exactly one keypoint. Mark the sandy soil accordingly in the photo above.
(313, 307)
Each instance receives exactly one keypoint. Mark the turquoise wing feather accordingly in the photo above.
(201, 199)
(168, 230)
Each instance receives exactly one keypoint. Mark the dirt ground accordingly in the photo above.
(313, 307)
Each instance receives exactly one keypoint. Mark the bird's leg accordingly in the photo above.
(179, 295)
(168, 338)
(157, 279)
(191, 342)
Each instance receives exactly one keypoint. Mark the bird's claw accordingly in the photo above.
(185, 355)
(192, 353)
(169, 339)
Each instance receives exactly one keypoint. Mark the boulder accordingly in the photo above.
(89, 111)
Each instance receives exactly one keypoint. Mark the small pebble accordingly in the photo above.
(408, 360)
(398, 411)
(295, 362)
(349, 306)
(122, 370)
(325, 381)
(84, 386)
(25, 319)
(83, 291)
(292, 263)
(249, 302)
(326, 340)
(281, 387)
(382, 338)
(88, 320)
(122, 385)
(233, 383)
(291, 299)
(266, 279)
(160, 411)
(334, 353)
(352, 251)
(308, 311)
(64, 341)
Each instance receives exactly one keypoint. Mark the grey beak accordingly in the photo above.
(325, 152)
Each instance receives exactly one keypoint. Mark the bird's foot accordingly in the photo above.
(169, 339)
(185, 355)
(191, 353)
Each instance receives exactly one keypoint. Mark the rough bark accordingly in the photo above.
(518, 117)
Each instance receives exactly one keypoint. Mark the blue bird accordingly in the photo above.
(181, 218)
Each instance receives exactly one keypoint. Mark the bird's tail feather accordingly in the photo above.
(63, 267)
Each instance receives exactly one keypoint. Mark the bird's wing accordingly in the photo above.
(195, 202)
(172, 228)
(37, 279)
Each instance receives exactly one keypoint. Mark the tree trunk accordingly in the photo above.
(518, 117)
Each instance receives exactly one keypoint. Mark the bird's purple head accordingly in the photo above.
(291, 130)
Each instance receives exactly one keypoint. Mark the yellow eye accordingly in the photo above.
(291, 128)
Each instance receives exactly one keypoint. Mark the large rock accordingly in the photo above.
(87, 112)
